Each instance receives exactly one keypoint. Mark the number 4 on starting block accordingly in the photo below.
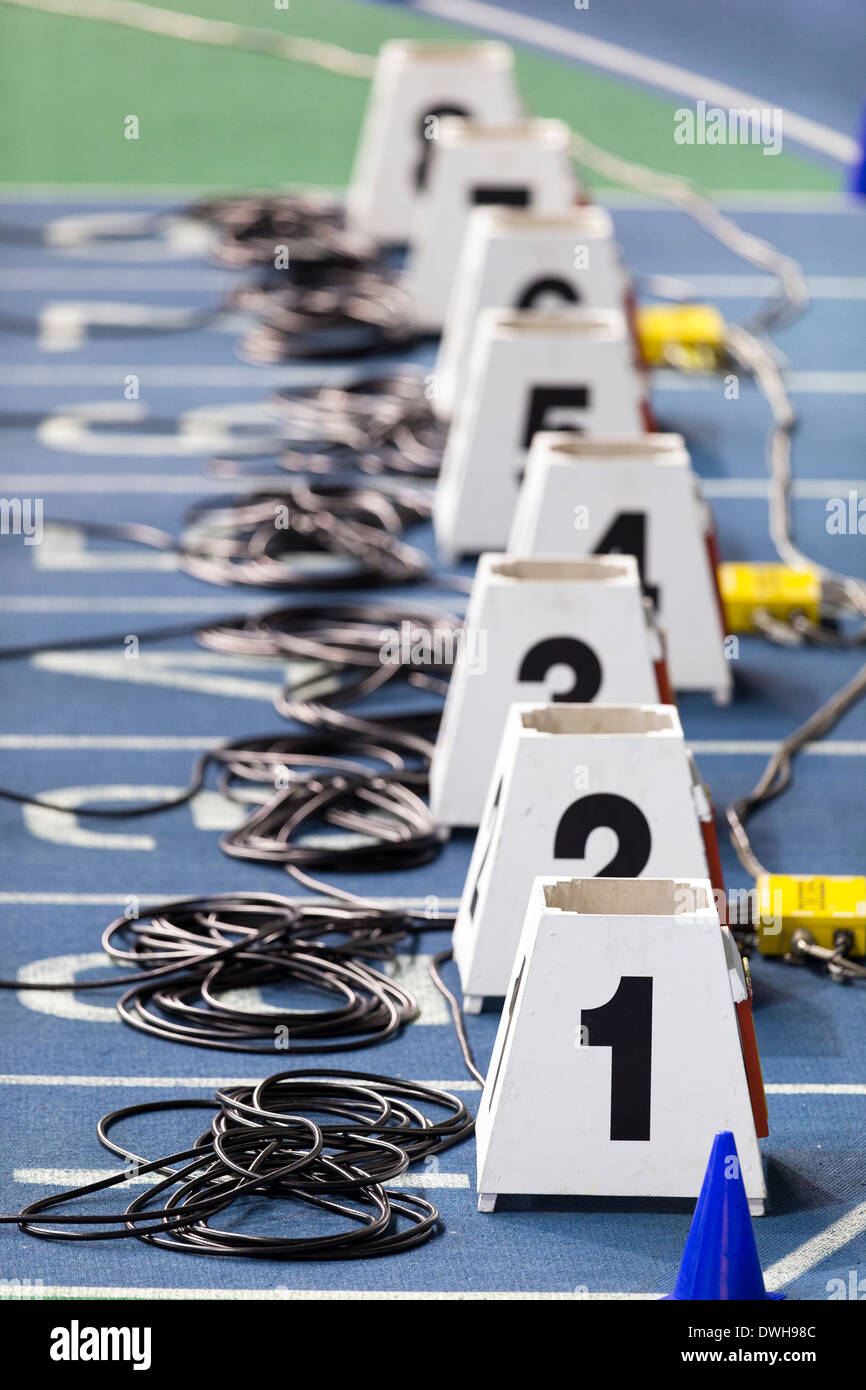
(620, 495)
(618, 1056)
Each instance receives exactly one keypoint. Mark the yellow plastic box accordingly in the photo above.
(780, 590)
(822, 904)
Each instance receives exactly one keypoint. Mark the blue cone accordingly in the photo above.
(720, 1260)
(857, 182)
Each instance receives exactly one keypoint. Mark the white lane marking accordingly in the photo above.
(51, 278)
(722, 286)
(209, 809)
(170, 670)
(833, 748)
(60, 1003)
(816, 1088)
(79, 1177)
(123, 742)
(779, 199)
(411, 972)
(38, 485)
(812, 203)
(147, 743)
(212, 1083)
(758, 490)
(755, 286)
(60, 603)
(196, 1083)
(612, 57)
(806, 382)
(61, 375)
(279, 1295)
(122, 900)
(65, 548)
(815, 1251)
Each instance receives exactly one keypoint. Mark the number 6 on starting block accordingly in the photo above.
(618, 1056)
(414, 86)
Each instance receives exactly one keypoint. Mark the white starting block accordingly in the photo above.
(553, 629)
(415, 86)
(529, 371)
(526, 164)
(521, 259)
(596, 790)
(618, 1057)
(591, 496)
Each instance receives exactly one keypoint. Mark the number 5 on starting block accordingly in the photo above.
(618, 1056)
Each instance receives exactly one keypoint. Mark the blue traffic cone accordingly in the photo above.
(858, 172)
(720, 1260)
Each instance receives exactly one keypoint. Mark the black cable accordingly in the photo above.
(374, 425)
(322, 1139)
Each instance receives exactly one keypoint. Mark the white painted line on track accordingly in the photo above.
(639, 67)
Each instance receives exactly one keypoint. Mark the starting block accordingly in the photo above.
(522, 259)
(577, 627)
(415, 85)
(605, 790)
(592, 496)
(618, 1056)
(525, 165)
(529, 372)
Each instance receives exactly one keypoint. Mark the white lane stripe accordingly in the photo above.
(834, 748)
(73, 279)
(749, 286)
(766, 200)
(816, 1088)
(60, 603)
(76, 278)
(80, 1177)
(279, 1295)
(814, 203)
(122, 899)
(815, 381)
(135, 743)
(212, 1083)
(815, 1251)
(160, 485)
(148, 743)
(18, 484)
(626, 62)
(807, 382)
(195, 1083)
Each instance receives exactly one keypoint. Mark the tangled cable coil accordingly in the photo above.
(262, 538)
(327, 1140)
(194, 963)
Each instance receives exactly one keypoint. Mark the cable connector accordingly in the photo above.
(690, 337)
(799, 912)
(771, 589)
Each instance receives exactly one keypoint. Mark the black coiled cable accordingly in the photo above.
(368, 312)
(261, 538)
(249, 230)
(322, 1139)
(374, 425)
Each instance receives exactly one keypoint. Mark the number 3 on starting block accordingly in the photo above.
(618, 1056)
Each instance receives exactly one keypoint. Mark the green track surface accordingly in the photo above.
(212, 117)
